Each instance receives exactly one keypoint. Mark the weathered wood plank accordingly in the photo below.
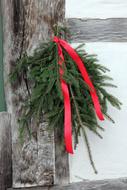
(2, 99)
(61, 161)
(26, 24)
(5, 151)
(102, 30)
(116, 184)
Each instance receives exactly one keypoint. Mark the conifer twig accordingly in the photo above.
(108, 117)
(89, 150)
(84, 132)
(97, 133)
(101, 128)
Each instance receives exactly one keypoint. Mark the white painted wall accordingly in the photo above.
(96, 8)
(110, 154)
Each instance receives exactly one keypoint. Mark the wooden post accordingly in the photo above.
(5, 151)
(26, 24)
(2, 99)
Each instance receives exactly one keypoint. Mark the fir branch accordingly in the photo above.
(84, 132)
(40, 72)
(101, 128)
(89, 150)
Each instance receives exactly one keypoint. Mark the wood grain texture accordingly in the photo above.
(27, 23)
(2, 99)
(5, 151)
(62, 175)
(116, 184)
(102, 30)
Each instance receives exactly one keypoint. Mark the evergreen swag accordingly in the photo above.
(41, 71)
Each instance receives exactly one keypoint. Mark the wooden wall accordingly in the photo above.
(2, 99)
(5, 151)
(26, 24)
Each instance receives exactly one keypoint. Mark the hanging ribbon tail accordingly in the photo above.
(67, 105)
(73, 54)
(67, 118)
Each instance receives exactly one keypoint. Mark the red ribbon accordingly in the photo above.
(67, 106)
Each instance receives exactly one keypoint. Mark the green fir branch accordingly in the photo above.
(44, 98)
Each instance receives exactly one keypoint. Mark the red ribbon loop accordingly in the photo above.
(67, 107)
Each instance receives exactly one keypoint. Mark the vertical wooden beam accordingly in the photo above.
(2, 97)
(26, 24)
(5, 151)
(61, 162)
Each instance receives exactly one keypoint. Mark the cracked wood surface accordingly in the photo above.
(98, 30)
(5, 151)
(115, 184)
(27, 23)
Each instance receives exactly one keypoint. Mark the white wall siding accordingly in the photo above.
(110, 153)
(96, 8)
